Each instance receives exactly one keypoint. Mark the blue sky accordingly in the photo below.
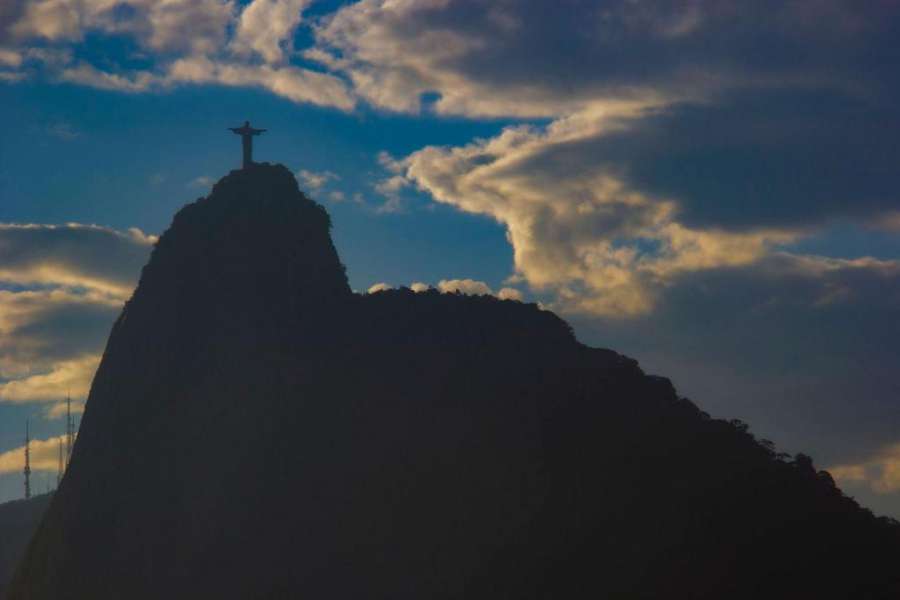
(709, 187)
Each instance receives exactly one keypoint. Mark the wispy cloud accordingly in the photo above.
(201, 182)
(61, 287)
(315, 179)
(66, 377)
(90, 257)
(63, 131)
(265, 28)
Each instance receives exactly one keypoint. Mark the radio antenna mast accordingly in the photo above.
(27, 470)
(70, 432)
(60, 469)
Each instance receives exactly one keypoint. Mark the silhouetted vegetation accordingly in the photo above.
(255, 430)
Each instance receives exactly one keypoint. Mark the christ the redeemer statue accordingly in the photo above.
(246, 132)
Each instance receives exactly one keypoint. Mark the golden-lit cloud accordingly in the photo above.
(96, 261)
(44, 456)
(39, 328)
(379, 287)
(66, 377)
(61, 287)
(579, 231)
(63, 407)
(509, 293)
(880, 472)
(469, 287)
(10, 58)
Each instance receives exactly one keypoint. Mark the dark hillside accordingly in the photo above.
(256, 430)
(18, 521)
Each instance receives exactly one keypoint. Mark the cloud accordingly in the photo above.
(44, 456)
(10, 58)
(880, 473)
(63, 131)
(67, 377)
(394, 52)
(195, 26)
(61, 287)
(11, 77)
(41, 328)
(202, 182)
(391, 187)
(511, 59)
(266, 27)
(508, 293)
(86, 74)
(99, 259)
(170, 26)
(747, 159)
(716, 107)
(294, 83)
(62, 407)
(469, 287)
(48, 19)
(522, 60)
(578, 230)
(379, 287)
(316, 180)
(184, 42)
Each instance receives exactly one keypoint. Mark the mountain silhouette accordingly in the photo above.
(18, 521)
(257, 430)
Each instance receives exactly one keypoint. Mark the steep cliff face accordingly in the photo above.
(256, 430)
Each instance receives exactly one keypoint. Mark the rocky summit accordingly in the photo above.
(258, 430)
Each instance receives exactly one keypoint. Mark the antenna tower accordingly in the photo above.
(27, 470)
(70, 431)
(59, 466)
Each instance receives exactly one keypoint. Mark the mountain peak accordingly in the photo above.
(256, 247)
(256, 430)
